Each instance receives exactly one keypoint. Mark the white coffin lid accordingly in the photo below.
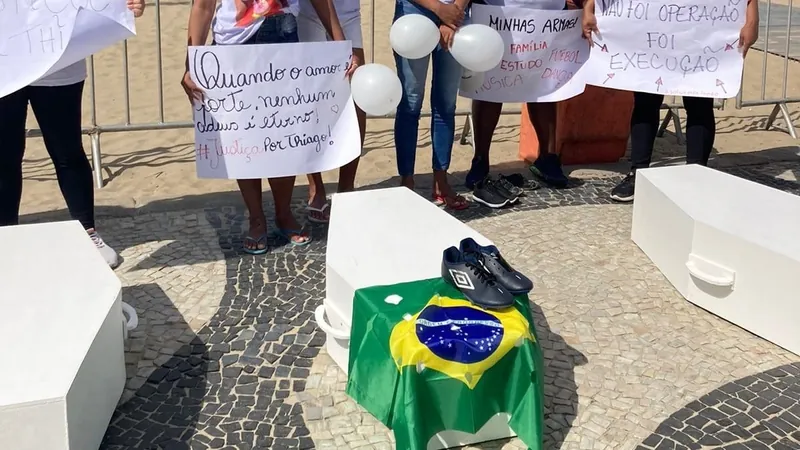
(55, 293)
(769, 218)
(389, 236)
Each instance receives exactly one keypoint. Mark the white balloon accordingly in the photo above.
(471, 81)
(477, 47)
(414, 36)
(376, 89)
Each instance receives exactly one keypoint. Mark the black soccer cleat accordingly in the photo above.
(466, 273)
(494, 263)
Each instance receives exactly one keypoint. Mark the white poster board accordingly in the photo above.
(544, 55)
(684, 47)
(273, 110)
(40, 37)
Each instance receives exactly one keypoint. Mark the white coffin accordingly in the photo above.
(728, 245)
(381, 237)
(62, 366)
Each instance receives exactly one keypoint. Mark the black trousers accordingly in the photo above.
(58, 112)
(700, 128)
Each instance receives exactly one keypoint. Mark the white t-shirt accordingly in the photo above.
(224, 26)
(72, 74)
(345, 9)
(533, 4)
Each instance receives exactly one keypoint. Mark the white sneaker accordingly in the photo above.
(108, 253)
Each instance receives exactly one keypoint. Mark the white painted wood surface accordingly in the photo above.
(61, 339)
(728, 245)
(382, 237)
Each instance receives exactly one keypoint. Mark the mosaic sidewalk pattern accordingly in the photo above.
(626, 357)
(227, 387)
(761, 411)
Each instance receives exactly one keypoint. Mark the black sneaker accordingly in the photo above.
(548, 169)
(623, 192)
(489, 193)
(491, 259)
(521, 182)
(511, 186)
(505, 189)
(465, 272)
(477, 172)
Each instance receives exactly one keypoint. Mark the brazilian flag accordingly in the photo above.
(423, 359)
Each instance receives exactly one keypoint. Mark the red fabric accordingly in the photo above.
(259, 8)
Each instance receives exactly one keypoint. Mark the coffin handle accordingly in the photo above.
(319, 315)
(710, 272)
(130, 322)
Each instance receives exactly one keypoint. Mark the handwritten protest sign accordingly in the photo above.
(684, 47)
(543, 57)
(273, 110)
(39, 37)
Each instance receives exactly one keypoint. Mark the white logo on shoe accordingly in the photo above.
(461, 279)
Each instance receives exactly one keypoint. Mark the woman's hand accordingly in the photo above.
(137, 7)
(589, 26)
(747, 37)
(446, 38)
(749, 34)
(191, 89)
(450, 14)
(589, 22)
(356, 61)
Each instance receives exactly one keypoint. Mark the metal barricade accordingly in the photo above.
(94, 129)
(783, 49)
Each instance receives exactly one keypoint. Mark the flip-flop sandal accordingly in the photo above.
(261, 240)
(458, 203)
(311, 211)
(289, 234)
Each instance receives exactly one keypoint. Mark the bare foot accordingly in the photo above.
(407, 182)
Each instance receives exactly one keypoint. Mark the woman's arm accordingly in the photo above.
(330, 20)
(749, 33)
(200, 17)
(589, 22)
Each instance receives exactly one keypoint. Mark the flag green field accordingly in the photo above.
(423, 359)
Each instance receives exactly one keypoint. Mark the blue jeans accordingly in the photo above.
(444, 92)
(278, 29)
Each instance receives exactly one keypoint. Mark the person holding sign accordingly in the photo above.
(56, 101)
(310, 29)
(486, 115)
(448, 15)
(645, 119)
(244, 22)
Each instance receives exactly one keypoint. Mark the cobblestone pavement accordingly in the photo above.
(228, 354)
